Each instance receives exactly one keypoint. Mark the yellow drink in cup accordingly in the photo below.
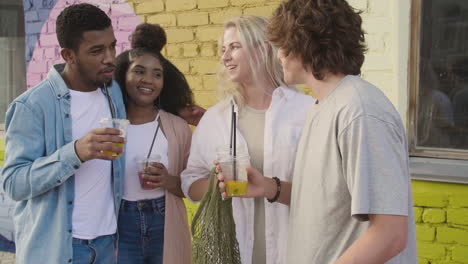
(120, 124)
(111, 153)
(233, 169)
(236, 188)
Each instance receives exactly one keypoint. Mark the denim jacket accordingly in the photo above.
(40, 162)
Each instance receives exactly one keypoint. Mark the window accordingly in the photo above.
(12, 54)
(439, 80)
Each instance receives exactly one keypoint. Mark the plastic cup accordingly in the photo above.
(142, 165)
(120, 124)
(234, 171)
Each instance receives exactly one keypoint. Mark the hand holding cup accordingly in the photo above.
(255, 185)
(95, 143)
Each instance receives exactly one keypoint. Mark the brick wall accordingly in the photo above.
(441, 213)
(193, 28)
(42, 49)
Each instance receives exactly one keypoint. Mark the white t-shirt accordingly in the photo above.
(139, 138)
(93, 211)
(352, 161)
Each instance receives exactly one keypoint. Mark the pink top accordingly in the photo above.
(177, 241)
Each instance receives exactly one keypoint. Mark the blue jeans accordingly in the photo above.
(100, 250)
(141, 231)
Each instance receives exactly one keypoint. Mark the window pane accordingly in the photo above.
(12, 72)
(443, 80)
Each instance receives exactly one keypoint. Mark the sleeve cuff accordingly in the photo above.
(70, 160)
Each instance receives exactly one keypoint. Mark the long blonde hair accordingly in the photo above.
(261, 55)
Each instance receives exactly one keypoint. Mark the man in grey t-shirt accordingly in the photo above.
(351, 196)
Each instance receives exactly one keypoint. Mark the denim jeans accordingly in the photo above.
(100, 250)
(141, 231)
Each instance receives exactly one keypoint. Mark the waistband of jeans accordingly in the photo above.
(89, 241)
(153, 203)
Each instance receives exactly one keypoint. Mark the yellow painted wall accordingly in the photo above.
(193, 28)
(441, 213)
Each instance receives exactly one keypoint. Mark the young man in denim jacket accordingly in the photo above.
(68, 190)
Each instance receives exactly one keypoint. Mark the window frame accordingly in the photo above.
(413, 98)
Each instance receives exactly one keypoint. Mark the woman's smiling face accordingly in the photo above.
(234, 57)
(144, 80)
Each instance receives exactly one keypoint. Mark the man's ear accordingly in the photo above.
(68, 55)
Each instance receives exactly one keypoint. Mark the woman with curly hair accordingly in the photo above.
(152, 223)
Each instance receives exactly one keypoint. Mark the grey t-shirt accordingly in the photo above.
(352, 161)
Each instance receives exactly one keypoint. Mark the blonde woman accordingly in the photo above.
(270, 118)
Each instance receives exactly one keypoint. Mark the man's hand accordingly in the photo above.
(95, 142)
(192, 114)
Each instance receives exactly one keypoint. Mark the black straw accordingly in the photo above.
(154, 138)
(152, 142)
(232, 129)
(111, 106)
(234, 149)
(234, 125)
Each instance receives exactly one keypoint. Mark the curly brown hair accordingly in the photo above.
(325, 34)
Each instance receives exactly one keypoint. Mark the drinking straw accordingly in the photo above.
(232, 129)
(234, 148)
(111, 106)
(234, 125)
(152, 142)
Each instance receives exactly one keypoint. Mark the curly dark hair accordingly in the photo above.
(74, 20)
(325, 34)
(150, 39)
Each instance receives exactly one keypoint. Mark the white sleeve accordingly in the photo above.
(375, 167)
(201, 157)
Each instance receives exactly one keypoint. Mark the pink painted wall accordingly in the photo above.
(46, 51)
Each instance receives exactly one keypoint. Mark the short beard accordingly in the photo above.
(102, 84)
(95, 83)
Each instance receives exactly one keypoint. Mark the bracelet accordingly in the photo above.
(278, 190)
